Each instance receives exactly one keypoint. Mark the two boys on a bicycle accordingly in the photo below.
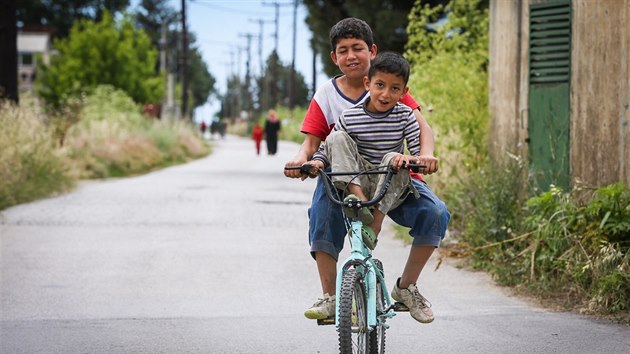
(426, 216)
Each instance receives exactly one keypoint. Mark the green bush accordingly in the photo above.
(449, 78)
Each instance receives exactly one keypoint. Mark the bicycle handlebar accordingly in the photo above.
(306, 168)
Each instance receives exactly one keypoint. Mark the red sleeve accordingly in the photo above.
(408, 101)
(315, 122)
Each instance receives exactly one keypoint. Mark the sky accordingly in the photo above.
(221, 26)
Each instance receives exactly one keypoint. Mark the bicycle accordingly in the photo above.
(363, 304)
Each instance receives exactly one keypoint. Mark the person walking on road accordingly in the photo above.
(272, 127)
(257, 135)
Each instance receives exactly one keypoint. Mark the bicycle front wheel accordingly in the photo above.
(353, 328)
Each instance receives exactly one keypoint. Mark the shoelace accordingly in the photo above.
(320, 301)
(418, 297)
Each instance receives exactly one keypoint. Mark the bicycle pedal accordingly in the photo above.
(326, 321)
(400, 307)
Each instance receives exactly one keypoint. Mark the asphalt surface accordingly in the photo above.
(212, 257)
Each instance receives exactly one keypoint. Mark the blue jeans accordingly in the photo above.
(427, 217)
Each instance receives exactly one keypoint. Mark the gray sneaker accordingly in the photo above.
(322, 309)
(419, 306)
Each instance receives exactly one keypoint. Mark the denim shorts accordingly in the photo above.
(427, 217)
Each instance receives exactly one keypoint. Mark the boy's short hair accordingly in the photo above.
(391, 63)
(351, 27)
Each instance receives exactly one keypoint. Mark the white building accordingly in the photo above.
(31, 47)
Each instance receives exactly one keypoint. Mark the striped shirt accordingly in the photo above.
(377, 134)
(327, 105)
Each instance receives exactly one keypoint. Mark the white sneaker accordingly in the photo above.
(322, 309)
(419, 306)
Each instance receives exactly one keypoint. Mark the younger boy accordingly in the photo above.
(373, 133)
(352, 49)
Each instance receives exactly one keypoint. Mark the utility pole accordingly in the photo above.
(262, 90)
(292, 80)
(249, 37)
(184, 62)
(274, 70)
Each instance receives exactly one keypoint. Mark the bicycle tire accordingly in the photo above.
(377, 335)
(353, 328)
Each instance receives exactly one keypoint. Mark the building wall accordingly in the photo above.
(600, 92)
(600, 86)
(504, 77)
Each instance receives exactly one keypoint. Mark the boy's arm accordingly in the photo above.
(427, 144)
(309, 147)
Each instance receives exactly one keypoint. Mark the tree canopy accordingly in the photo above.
(387, 18)
(104, 52)
(61, 14)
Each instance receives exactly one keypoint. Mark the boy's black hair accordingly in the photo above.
(351, 27)
(391, 63)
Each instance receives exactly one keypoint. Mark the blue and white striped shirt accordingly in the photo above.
(376, 134)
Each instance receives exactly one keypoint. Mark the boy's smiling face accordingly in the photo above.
(385, 90)
(352, 56)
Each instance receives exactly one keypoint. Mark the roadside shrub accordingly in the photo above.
(112, 138)
(570, 247)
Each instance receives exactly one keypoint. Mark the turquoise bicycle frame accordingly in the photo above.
(362, 256)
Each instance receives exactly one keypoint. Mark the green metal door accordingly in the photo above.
(549, 92)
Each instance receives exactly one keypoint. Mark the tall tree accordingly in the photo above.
(200, 81)
(274, 92)
(61, 14)
(387, 18)
(151, 15)
(8, 48)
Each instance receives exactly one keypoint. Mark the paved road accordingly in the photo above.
(211, 257)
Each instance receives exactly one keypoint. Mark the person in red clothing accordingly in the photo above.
(257, 135)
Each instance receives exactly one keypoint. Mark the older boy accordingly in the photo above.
(352, 50)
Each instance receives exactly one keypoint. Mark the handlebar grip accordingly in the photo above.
(304, 169)
(414, 167)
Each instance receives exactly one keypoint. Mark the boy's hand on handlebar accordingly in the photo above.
(430, 161)
(311, 168)
(294, 173)
(399, 161)
(316, 165)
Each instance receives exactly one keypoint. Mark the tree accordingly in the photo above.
(151, 15)
(276, 92)
(97, 53)
(200, 81)
(62, 14)
(387, 18)
(8, 47)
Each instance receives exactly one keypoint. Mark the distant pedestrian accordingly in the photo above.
(272, 127)
(203, 127)
(257, 135)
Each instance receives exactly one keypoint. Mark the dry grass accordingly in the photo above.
(101, 136)
(30, 166)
